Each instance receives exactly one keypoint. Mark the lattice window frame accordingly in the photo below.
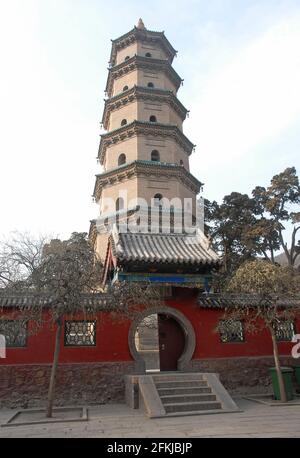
(282, 335)
(73, 344)
(227, 335)
(20, 333)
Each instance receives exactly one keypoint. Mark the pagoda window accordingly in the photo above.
(125, 88)
(155, 156)
(119, 204)
(150, 84)
(122, 159)
(148, 54)
(152, 119)
(123, 122)
(181, 162)
(127, 57)
(158, 200)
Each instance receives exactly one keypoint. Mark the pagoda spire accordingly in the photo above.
(141, 25)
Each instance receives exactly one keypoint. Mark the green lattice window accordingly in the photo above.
(284, 330)
(15, 333)
(80, 333)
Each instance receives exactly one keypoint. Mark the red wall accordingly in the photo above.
(112, 339)
(111, 345)
(208, 343)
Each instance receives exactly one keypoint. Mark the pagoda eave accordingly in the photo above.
(142, 93)
(146, 168)
(144, 128)
(141, 62)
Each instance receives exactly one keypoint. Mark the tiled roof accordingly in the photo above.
(22, 300)
(163, 248)
(223, 301)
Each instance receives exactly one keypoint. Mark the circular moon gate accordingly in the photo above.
(190, 338)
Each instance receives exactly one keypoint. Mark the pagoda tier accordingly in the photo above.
(143, 95)
(145, 129)
(139, 41)
(145, 171)
(144, 68)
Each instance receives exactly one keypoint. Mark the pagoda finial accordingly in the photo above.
(141, 25)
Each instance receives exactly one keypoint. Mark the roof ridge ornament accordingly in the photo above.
(141, 25)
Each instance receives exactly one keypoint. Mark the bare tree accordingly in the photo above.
(67, 270)
(265, 295)
(20, 254)
(58, 277)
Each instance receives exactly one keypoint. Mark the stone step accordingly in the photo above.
(187, 398)
(190, 406)
(177, 376)
(183, 389)
(195, 412)
(181, 383)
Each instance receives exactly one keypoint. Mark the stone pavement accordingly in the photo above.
(118, 421)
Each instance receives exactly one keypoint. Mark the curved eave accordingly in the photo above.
(142, 62)
(141, 35)
(137, 126)
(137, 167)
(138, 92)
(152, 262)
(162, 249)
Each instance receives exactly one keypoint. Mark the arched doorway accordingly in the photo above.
(171, 340)
(161, 339)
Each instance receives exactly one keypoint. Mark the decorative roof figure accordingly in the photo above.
(141, 25)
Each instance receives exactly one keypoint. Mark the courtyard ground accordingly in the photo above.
(119, 421)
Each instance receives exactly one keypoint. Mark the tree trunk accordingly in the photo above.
(283, 397)
(54, 369)
(225, 259)
(293, 250)
(285, 248)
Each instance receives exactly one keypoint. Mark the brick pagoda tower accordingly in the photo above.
(145, 156)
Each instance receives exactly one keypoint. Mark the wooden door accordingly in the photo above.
(171, 342)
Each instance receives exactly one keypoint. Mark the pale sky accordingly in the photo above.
(240, 61)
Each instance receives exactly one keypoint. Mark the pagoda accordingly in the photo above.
(147, 227)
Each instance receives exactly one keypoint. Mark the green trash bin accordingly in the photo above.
(287, 374)
(297, 374)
